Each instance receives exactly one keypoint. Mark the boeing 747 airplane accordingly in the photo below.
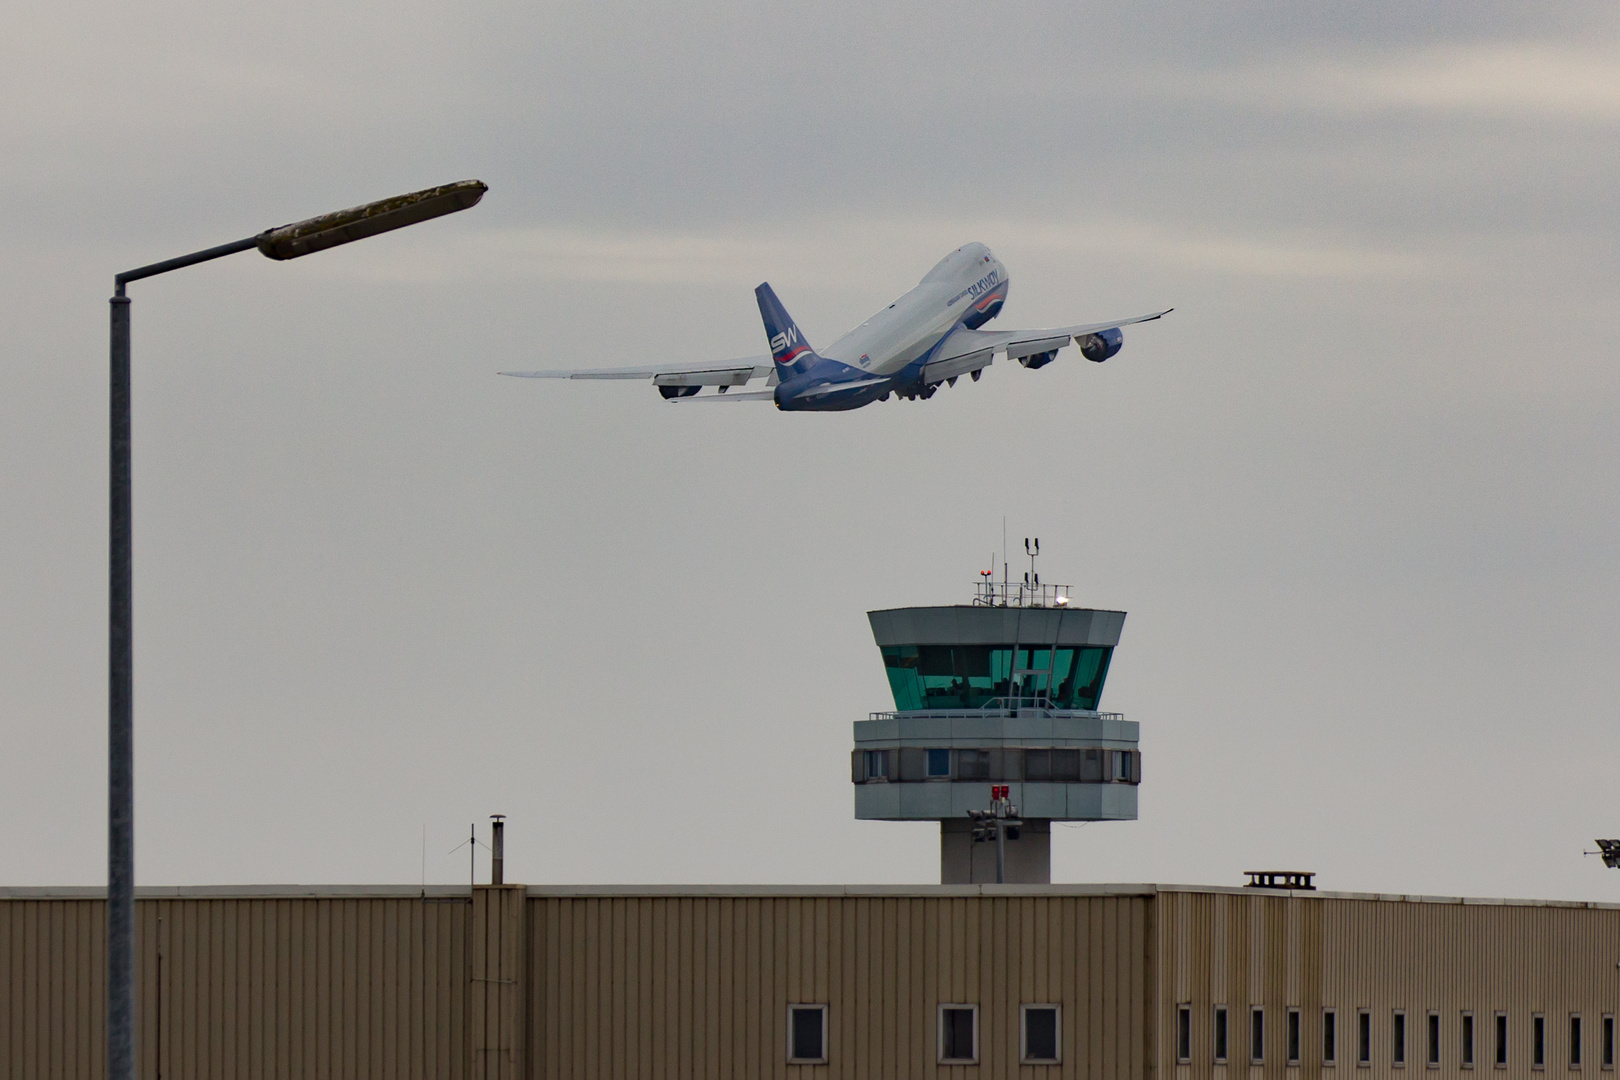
(929, 336)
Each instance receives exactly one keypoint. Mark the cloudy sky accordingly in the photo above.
(1358, 494)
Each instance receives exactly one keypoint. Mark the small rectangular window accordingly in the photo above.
(877, 764)
(1432, 1057)
(807, 1034)
(1398, 1036)
(1040, 1035)
(1608, 1041)
(939, 764)
(1220, 1033)
(1467, 1048)
(1293, 1036)
(973, 764)
(1257, 1035)
(1363, 1037)
(1330, 1037)
(958, 1034)
(1122, 765)
(1538, 1041)
(1501, 1040)
(1183, 1033)
(1574, 1041)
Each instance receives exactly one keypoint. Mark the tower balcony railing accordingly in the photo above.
(1037, 706)
(989, 592)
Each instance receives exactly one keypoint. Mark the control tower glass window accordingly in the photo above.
(943, 677)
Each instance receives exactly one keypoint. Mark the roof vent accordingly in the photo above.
(1280, 879)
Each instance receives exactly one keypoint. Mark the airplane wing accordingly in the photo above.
(746, 395)
(968, 346)
(1090, 328)
(713, 373)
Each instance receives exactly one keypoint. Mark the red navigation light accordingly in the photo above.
(1000, 792)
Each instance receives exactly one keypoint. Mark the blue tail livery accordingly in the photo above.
(792, 354)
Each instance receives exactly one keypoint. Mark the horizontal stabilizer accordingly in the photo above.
(714, 373)
(833, 388)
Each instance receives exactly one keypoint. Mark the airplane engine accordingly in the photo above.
(1099, 347)
(678, 391)
(1038, 360)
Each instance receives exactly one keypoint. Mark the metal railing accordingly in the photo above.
(988, 592)
(996, 707)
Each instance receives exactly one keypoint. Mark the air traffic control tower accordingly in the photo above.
(1004, 691)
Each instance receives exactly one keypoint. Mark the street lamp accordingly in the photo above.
(286, 242)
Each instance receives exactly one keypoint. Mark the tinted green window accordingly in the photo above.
(973, 676)
(1081, 685)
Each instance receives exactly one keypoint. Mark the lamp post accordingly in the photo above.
(286, 242)
(994, 824)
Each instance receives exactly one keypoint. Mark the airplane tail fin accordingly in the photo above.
(793, 354)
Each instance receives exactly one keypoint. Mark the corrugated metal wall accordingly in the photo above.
(695, 983)
(699, 986)
(499, 983)
(242, 987)
(576, 986)
(1280, 951)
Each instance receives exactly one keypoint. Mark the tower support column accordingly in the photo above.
(962, 862)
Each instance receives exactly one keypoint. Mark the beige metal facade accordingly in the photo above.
(243, 985)
(1386, 956)
(696, 982)
(699, 986)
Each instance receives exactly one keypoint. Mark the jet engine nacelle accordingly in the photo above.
(1100, 346)
(1038, 360)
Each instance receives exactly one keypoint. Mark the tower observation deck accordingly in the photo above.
(1001, 692)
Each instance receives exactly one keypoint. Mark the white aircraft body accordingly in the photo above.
(929, 336)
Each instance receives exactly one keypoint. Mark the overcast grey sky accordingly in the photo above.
(1358, 493)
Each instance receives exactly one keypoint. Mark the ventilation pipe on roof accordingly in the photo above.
(497, 849)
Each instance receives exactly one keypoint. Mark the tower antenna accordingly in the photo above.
(1004, 551)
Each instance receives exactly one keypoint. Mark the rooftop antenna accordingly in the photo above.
(1610, 850)
(471, 844)
(1003, 551)
(1033, 579)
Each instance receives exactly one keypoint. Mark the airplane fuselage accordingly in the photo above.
(886, 353)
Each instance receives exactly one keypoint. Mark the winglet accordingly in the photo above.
(793, 354)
